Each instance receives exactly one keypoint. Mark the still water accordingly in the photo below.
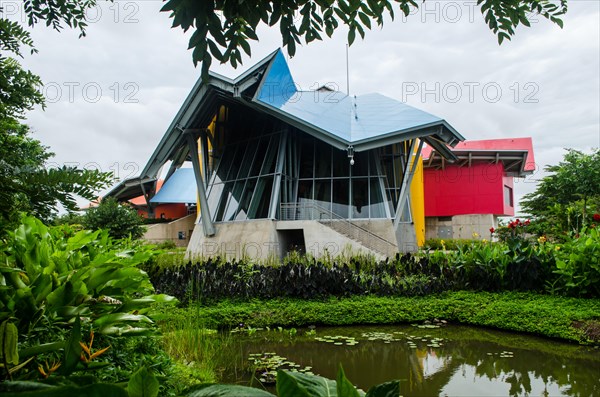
(444, 361)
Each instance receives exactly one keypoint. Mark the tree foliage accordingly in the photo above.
(28, 186)
(223, 29)
(120, 220)
(564, 198)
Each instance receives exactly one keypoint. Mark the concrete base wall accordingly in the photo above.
(172, 231)
(461, 226)
(256, 239)
(267, 239)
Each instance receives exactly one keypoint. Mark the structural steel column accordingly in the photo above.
(409, 172)
(276, 192)
(207, 225)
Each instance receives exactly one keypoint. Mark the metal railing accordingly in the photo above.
(310, 210)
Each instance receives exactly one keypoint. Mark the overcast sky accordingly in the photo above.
(112, 94)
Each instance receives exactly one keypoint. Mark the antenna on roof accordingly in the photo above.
(347, 73)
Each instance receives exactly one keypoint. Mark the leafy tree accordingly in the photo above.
(222, 29)
(564, 198)
(120, 220)
(27, 186)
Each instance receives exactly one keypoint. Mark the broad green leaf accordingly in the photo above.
(226, 391)
(9, 336)
(298, 384)
(72, 350)
(41, 349)
(387, 389)
(344, 387)
(143, 383)
(110, 319)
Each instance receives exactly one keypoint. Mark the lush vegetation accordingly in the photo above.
(121, 221)
(27, 184)
(568, 198)
(69, 300)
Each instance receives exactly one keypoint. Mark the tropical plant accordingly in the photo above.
(118, 219)
(53, 278)
(578, 264)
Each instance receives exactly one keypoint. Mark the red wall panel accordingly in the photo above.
(455, 190)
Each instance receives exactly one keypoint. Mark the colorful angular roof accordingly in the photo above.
(515, 153)
(364, 121)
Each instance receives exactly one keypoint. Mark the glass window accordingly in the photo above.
(225, 196)
(262, 146)
(307, 157)
(241, 213)
(361, 164)
(340, 197)
(234, 200)
(323, 193)
(341, 163)
(271, 157)
(508, 196)
(376, 203)
(322, 160)
(360, 198)
(248, 158)
(237, 153)
(259, 208)
(214, 196)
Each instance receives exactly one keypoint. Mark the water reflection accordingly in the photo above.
(449, 361)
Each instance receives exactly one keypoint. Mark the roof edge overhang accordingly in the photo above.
(510, 158)
(439, 132)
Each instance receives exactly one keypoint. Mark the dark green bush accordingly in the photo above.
(120, 220)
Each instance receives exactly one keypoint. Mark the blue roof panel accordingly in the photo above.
(179, 188)
(350, 119)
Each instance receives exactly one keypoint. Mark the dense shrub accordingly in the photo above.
(518, 264)
(215, 279)
(120, 221)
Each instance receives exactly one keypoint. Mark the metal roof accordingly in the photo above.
(364, 121)
(179, 188)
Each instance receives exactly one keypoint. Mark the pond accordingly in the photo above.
(430, 360)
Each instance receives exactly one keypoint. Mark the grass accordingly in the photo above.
(544, 315)
(199, 352)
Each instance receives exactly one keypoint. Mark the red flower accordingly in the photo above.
(597, 217)
(512, 225)
(527, 222)
(492, 230)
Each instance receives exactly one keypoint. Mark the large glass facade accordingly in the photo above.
(328, 181)
(250, 160)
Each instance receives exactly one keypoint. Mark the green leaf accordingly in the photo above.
(387, 389)
(72, 350)
(110, 319)
(9, 336)
(344, 387)
(226, 391)
(351, 35)
(298, 384)
(143, 384)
